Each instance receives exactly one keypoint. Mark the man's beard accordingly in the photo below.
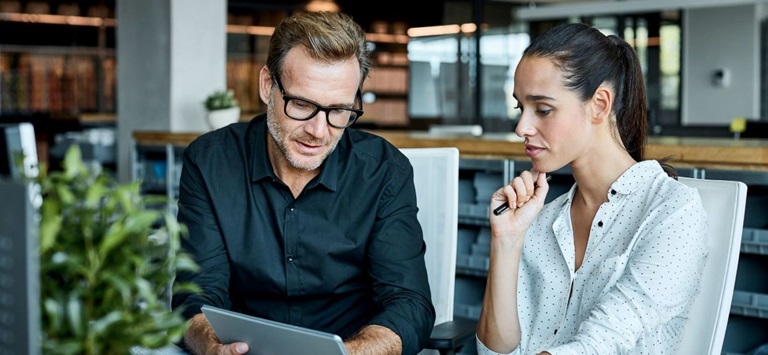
(281, 138)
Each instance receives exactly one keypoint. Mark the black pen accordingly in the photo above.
(499, 210)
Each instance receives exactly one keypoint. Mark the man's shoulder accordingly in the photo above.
(222, 137)
(364, 137)
(374, 147)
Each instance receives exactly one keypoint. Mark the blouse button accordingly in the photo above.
(600, 224)
(613, 192)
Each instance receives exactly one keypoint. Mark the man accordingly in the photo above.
(295, 217)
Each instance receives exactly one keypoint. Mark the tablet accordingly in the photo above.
(267, 337)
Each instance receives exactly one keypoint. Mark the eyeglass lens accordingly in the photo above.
(303, 110)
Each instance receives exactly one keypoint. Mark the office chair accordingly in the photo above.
(436, 177)
(724, 202)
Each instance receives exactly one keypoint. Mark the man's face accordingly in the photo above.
(304, 145)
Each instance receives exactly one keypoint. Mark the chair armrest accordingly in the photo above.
(452, 335)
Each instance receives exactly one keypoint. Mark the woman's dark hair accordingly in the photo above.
(589, 58)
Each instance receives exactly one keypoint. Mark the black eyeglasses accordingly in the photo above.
(303, 109)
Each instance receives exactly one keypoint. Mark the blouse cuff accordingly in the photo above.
(483, 350)
(566, 349)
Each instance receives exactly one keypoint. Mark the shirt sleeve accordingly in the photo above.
(203, 242)
(483, 350)
(396, 263)
(660, 281)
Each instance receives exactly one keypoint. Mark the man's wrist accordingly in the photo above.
(200, 337)
(374, 339)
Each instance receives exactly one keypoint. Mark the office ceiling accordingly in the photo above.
(364, 12)
(411, 12)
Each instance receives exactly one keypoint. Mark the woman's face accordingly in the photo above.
(554, 121)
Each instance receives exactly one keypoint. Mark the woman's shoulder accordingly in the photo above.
(670, 186)
(652, 179)
(673, 194)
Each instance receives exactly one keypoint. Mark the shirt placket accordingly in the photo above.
(291, 260)
(564, 230)
(600, 224)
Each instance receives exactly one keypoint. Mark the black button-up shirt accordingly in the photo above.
(346, 253)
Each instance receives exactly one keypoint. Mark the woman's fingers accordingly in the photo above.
(520, 190)
(523, 187)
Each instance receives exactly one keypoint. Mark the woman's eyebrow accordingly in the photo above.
(539, 98)
(535, 98)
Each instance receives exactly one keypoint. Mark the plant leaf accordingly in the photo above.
(107, 262)
(98, 326)
(49, 229)
(73, 162)
(74, 314)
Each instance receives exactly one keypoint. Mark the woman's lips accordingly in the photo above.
(532, 150)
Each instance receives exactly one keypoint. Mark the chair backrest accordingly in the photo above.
(724, 202)
(436, 177)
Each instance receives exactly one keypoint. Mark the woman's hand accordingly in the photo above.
(525, 195)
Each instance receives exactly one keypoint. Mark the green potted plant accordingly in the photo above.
(107, 262)
(223, 108)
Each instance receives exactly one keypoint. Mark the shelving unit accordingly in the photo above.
(387, 82)
(62, 65)
(58, 72)
(158, 167)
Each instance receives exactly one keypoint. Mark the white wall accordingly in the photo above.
(198, 60)
(720, 38)
(171, 55)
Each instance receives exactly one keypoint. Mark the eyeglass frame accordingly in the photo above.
(318, 107)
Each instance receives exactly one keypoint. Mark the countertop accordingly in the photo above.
(713, 153)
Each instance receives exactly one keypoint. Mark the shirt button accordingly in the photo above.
(613, 192)
(555, 331)
(291, 208)
(290, 259)
(600, 224)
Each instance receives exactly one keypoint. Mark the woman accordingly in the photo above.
(613, 265)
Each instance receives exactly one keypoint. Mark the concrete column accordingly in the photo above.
(170, 55)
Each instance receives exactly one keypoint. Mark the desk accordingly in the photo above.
(712, 153)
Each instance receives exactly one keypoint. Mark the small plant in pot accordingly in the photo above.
(107, 263)
(223, 108)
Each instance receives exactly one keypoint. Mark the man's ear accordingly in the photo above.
(602, 104)
(265, 84)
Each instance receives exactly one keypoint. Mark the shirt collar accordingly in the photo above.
(629, 181)
(636, 176)
(261, 168)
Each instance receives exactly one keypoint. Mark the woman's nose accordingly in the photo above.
(524, 127)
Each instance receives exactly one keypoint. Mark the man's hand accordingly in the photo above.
(228, 349)
(374, 339)
(202, 340)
